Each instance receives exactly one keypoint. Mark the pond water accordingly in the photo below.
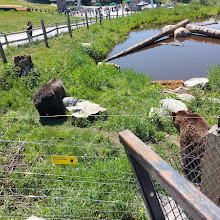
(167, 62)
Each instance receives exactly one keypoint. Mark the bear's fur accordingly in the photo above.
(48, 98)
(192, 128)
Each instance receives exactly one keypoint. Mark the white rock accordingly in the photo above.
(86, 44)
(181, 32)
(201, 82)
(173, 105)
(109, 64)
(214, 100)
(157, 111)
(69, 101)
(35, 218)
(83, 109)
(185, 97)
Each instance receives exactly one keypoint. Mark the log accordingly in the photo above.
(205, 31)
(150, 41)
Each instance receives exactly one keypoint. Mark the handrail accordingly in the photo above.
(196, 204)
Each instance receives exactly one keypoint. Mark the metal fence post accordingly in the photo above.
(69, 26)
(109, 14)
(76, 24)
(96, 18)
(122, 10)
(2, 54)
(117, 12)
(87, 24)
(44, 32)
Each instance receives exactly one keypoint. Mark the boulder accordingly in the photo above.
(157, 112)
(108, 64)
(201, 82)
(182, 32)
(185, 97)
(173, 105)
(82, 108)
(25, 63)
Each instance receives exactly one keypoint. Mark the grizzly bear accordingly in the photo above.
(48, 98)
(192, 128)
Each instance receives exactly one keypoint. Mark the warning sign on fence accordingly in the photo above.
(63, 160)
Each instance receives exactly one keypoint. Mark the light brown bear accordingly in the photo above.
(48, 98)
(192, 128)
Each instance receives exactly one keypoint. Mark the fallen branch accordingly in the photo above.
(150, 41)
(205, 31)
(209, 24)
(172, 44)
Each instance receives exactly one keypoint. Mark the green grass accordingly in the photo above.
(122, 92)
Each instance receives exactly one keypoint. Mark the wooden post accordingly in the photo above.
(6, 40)
(57, 29)
(87, 24)
(44, 32)
(100, 17)
(69, 26)
(2, 54)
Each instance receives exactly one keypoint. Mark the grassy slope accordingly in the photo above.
(121, 92)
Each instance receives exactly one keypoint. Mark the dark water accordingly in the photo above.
(166, 62)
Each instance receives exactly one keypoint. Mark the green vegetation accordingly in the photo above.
(214, 80)
(102, 180)
(18, 20)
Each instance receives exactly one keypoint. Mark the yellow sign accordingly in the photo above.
(64, 160)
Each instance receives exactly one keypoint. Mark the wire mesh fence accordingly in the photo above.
(198, 162)
(100, 186)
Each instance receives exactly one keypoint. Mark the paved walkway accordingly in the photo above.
(37, 32)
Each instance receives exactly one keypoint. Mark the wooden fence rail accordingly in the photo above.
(69, 24)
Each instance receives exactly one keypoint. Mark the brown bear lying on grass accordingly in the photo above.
(192, 128)
(48, 98)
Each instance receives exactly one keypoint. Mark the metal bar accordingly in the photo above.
(196, 204)
(147, 189)
(57, 29)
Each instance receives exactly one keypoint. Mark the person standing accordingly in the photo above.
(29, 28)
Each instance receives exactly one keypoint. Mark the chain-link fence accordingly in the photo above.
(166, 193)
